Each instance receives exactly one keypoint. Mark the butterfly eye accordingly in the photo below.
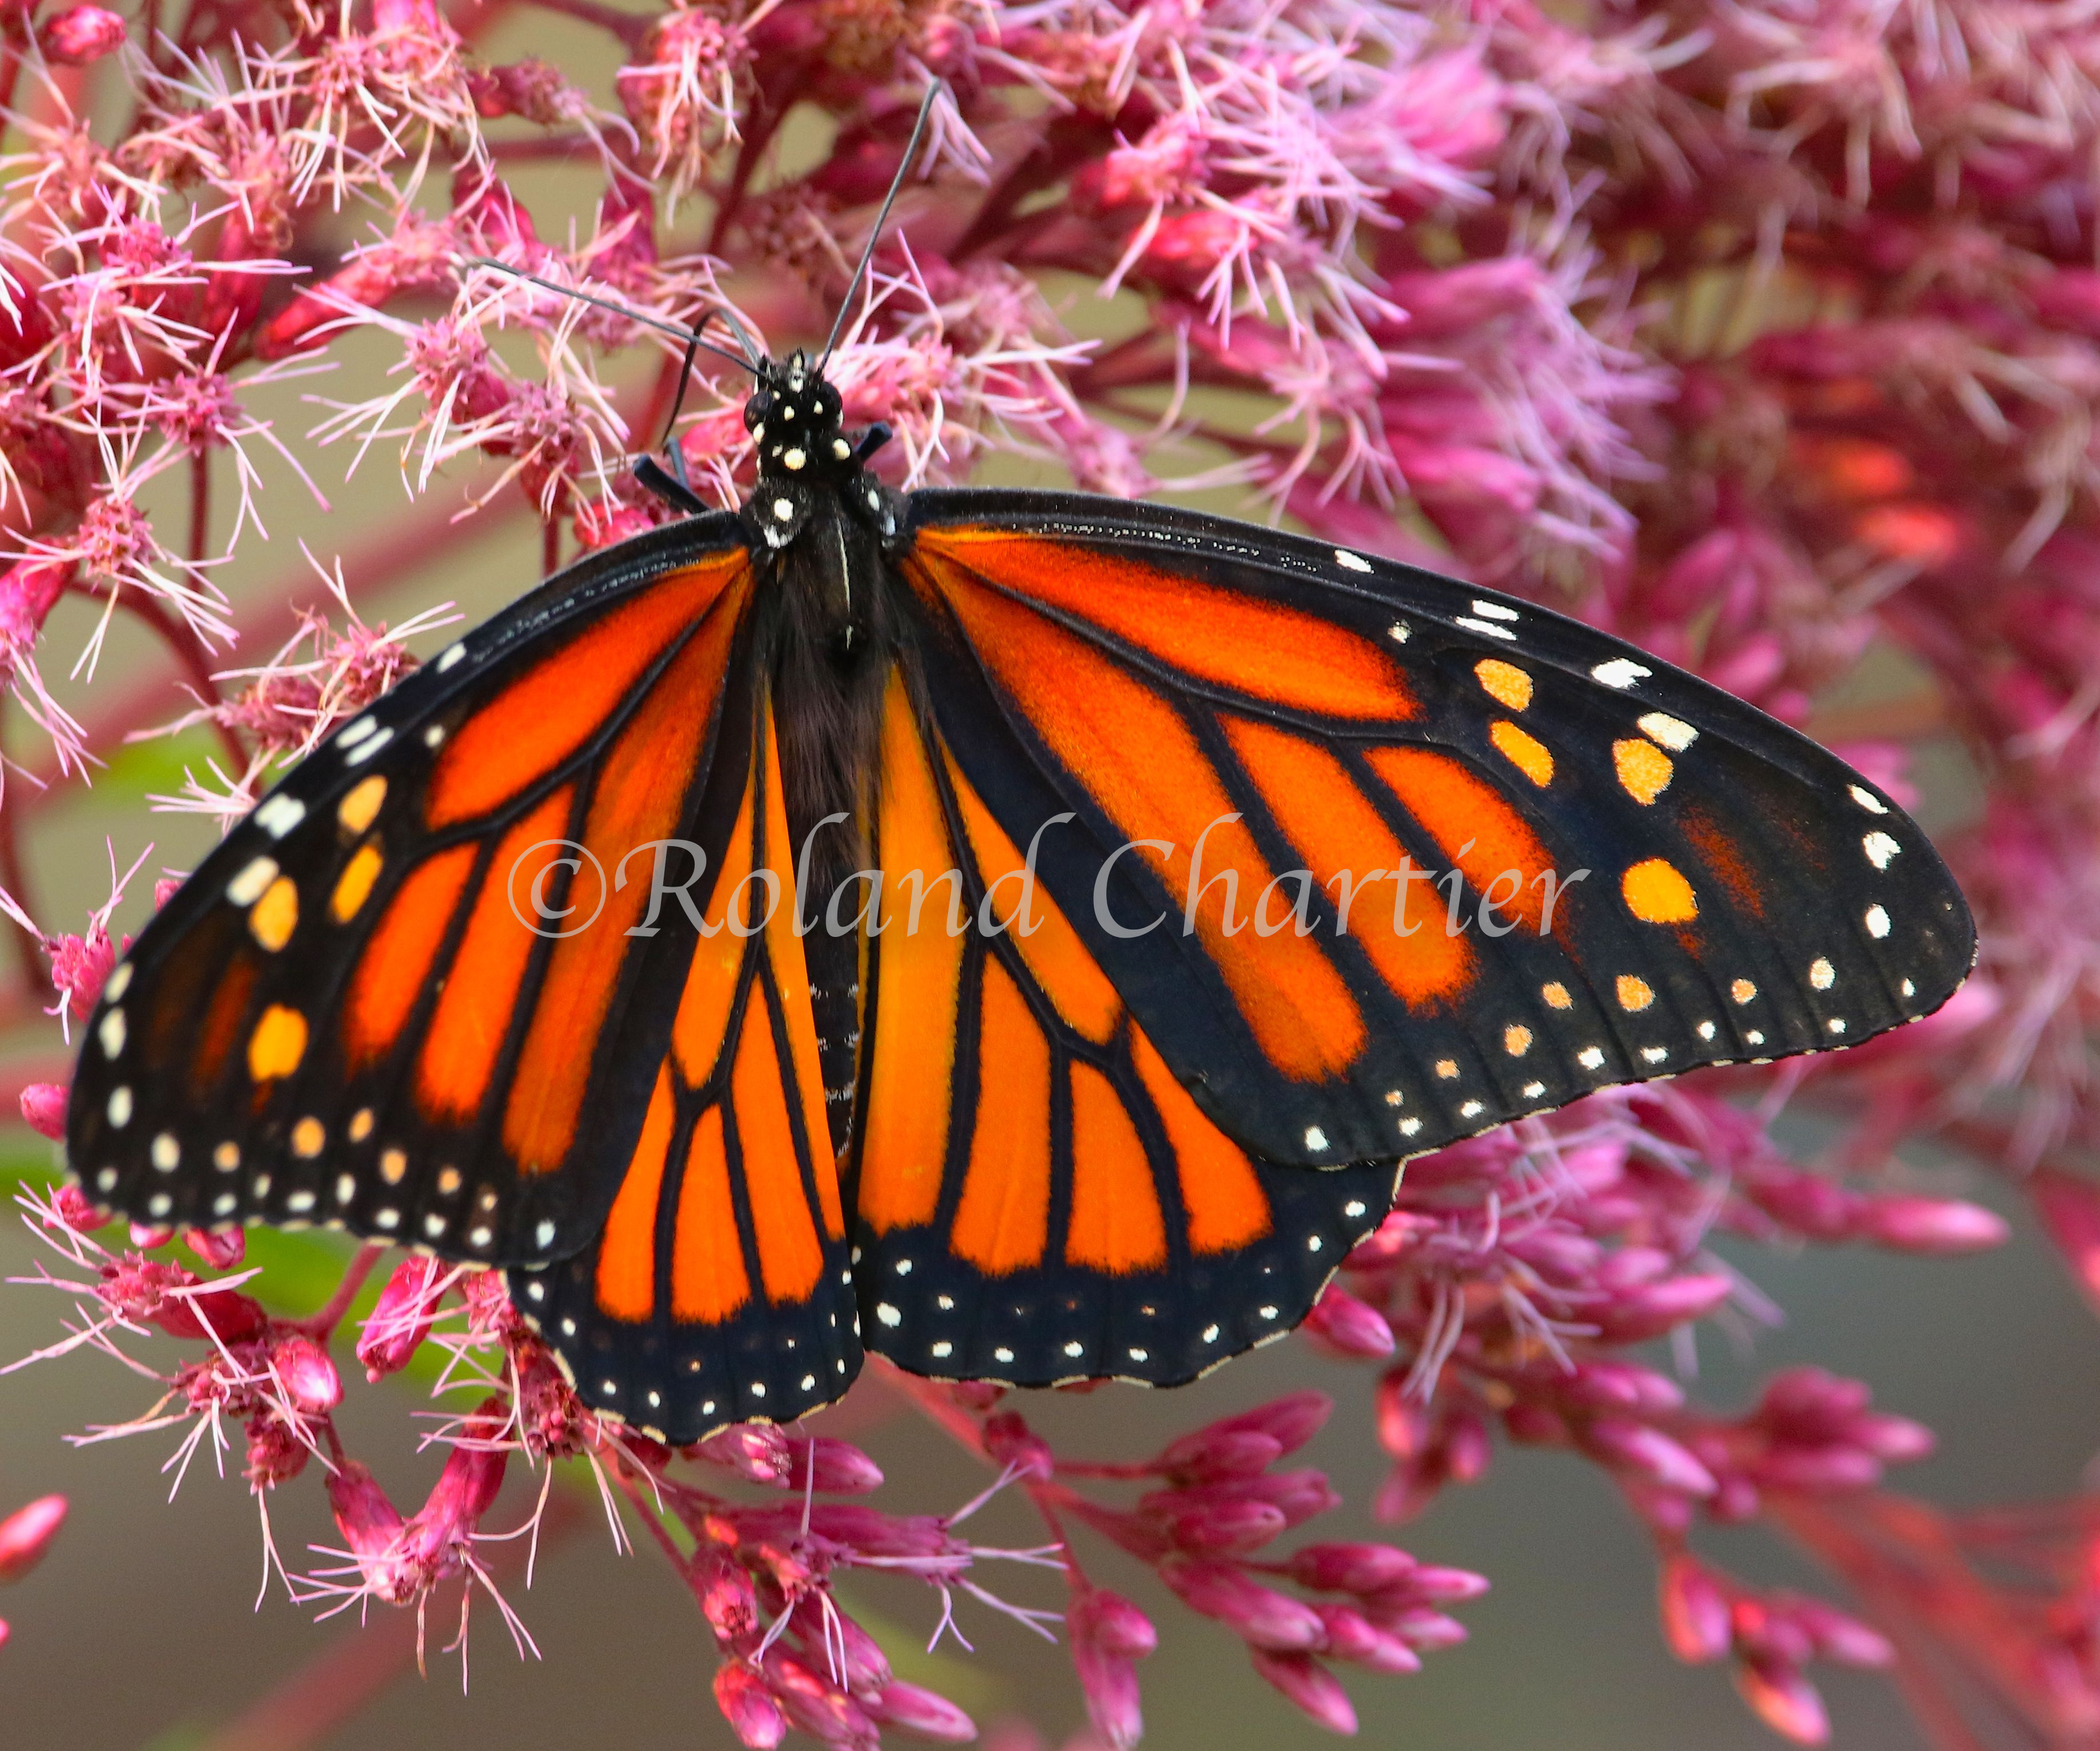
(756, 410)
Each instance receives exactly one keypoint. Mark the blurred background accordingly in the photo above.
(143, 1630)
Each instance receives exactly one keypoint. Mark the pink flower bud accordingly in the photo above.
(1199, 1459)
(44, 1108)
(925, 1713)
(1695, 1611)
(275, 1454)
(1621, 1386)
(1349, 1568)
(756, 1450)
(2069, 1205)
(1258, 1615)
(1107, 1634)
(836, 1467)
(5, 1632)
(1649, 1453)
(222, 1249)
(150, 1237)
(148, 1291)
(1353, 1637)
(1222, 1528)
(77, 1211)
(26, 1534)
(727, 1599)
(1650, 1309)
(310, 1378)
(1431, 1580)
(1934, 1225)
(1008, 1441)
(1818, 1469)
(1290, 1422)
(1420, 1626)
(1837, 1636)
(80, 34)
(1109, 1622)
(1895, 1440)
(1310, 1686)
(1784, 1700)
(817, 1705)
(748, 1707)
(1348, 1328)
(402, 1317)
(371, 1527)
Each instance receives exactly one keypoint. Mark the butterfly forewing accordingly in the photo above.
(369, 1006)
(1038, 1199)
(1671, 879)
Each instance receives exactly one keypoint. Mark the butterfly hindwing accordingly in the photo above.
(717, 1290)
(1673, 879)
(368, 1006)
(1038, 1199)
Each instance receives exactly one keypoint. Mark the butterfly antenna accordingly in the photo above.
(749, 360)
(881, 218)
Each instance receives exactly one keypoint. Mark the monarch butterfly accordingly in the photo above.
(1085, 907)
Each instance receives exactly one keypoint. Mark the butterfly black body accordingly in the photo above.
(1042, 1110)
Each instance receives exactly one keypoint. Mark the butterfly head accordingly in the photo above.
(793, 415)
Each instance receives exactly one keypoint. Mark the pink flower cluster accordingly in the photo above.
(1765, 334)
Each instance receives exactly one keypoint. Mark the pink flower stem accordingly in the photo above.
(321, 1325)
(200, 506)
(188, 648)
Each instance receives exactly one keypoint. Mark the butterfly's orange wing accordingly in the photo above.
(1377, 860)
(400, 998)
(1037, 1197)
(717, 1290)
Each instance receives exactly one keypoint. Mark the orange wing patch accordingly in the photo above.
(514, 740)
(627, 1252)
(639, 793)
(1485, 839)
(1116, 1225)
(708, 1280)
(1141, 762)
(1261, 648)
(1226, 1207)
(474, 1011)
(1002, 1223)
(905, 1129)
(395, 966)
(1356, 861)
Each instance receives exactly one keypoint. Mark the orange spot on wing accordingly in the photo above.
(1457, 808)
(1054, 956)
(639, 795)
(1221, 1194)
(474, 1011)
(517, 738)
(1341, 835)
(790, 1258)
(1115, 1224)
(1523, 751)
(1141, 762)
(1261, 648)
(1658, 894)
(626, 1252)
(1503, 682)
(278, 1043)
(709, 1279)
(910, 1089)
(1644, 770)
(1002, 1220)
(395, 969)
